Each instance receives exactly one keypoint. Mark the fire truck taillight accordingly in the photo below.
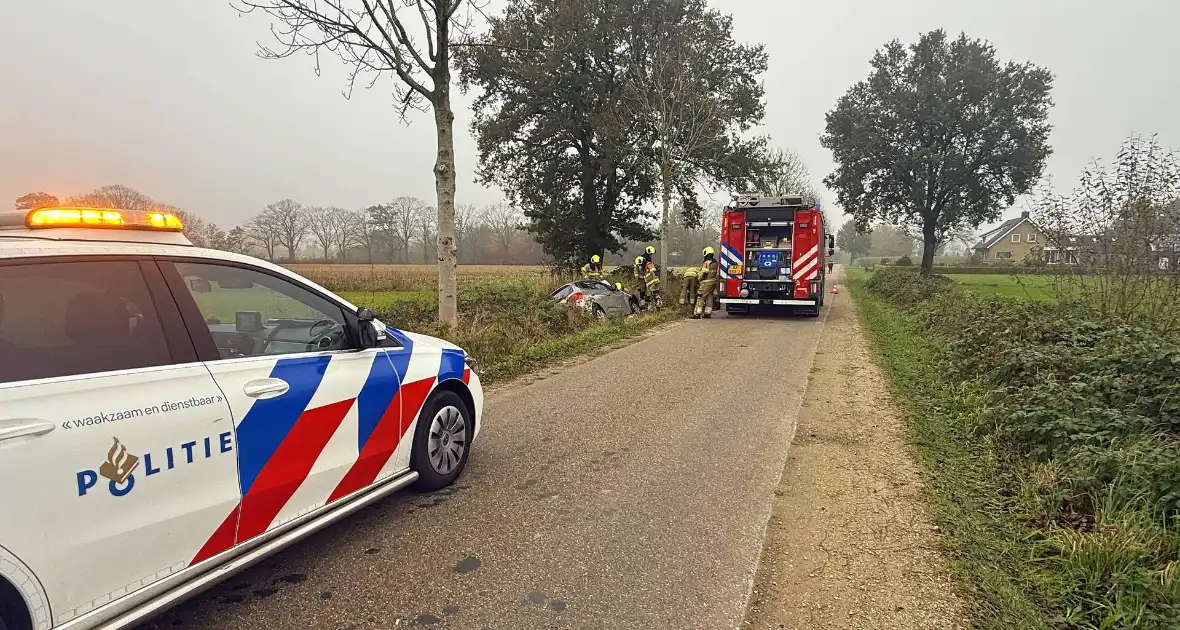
(814, 287)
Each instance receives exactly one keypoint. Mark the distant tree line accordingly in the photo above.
(399, 231)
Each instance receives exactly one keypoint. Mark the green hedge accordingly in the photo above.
(1084, 416)
(983, 269)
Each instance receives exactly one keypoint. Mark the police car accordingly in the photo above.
(170, 414)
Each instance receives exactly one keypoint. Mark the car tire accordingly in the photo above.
(634, 306)
(13, 615)
(598, 312)
(442, 441)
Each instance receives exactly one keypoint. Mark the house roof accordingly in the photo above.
(994, 236)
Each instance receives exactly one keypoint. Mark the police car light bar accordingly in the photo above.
(103, 218)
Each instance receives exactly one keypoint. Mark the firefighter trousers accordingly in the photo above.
(689, 297)
(705, 298)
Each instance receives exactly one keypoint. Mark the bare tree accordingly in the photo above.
(323, 225)
(35, 200)
(788, 175)
(114, 196)
(349, 224)
(195, 228)
(261, 231)
(504, 220)
(466, 215)
(405, 215)
(289, 220)
(426, 226)
(126, 198)
(374, 38)
(1117, 235)
(683, 117)
(364, 230)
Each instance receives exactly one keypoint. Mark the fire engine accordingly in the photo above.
(773, 253)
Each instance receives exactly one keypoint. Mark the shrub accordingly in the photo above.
(904, 261)
(907, 288)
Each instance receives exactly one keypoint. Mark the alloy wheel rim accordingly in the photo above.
(447, 441)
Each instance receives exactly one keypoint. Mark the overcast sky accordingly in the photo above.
(168, 97)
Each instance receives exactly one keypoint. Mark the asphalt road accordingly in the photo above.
(629, 491)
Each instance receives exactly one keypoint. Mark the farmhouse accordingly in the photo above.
(1014, 241)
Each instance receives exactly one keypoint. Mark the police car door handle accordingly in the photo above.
(266, 388)
(22, 427)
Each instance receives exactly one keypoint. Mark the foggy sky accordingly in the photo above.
(168, 96)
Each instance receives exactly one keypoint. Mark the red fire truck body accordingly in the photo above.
(773, 252)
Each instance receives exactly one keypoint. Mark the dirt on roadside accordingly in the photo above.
(848, 544)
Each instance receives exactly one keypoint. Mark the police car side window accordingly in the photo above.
(251, 313)
(69, 318)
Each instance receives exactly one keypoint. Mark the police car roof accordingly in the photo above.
(13, 227)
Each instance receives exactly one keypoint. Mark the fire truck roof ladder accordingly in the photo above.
(759, 201)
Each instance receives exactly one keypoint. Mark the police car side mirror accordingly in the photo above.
(366, 330)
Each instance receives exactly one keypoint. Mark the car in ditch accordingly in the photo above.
(170, 415)
(600, 297)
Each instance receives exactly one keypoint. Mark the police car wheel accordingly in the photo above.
(13, 615)
(442, 441)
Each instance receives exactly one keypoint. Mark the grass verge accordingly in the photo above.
(540, 355)
(963, 484)
(1050, 433)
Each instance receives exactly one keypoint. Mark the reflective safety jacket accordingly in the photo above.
(708, 274)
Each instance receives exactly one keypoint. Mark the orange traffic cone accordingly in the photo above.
(834, 291)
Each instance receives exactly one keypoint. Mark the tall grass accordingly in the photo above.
(507, 320)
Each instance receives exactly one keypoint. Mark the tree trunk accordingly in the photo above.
(928, 244)
(666, 183)
(444, 184)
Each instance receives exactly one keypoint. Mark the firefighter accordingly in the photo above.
(706, 285)
(593, 269)
(829, 266)
(640, 284)
(689, 296)
(651, 281)
(649, 255)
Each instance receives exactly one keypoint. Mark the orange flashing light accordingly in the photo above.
(103, 218)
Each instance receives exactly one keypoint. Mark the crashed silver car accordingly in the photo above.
(597, 296)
